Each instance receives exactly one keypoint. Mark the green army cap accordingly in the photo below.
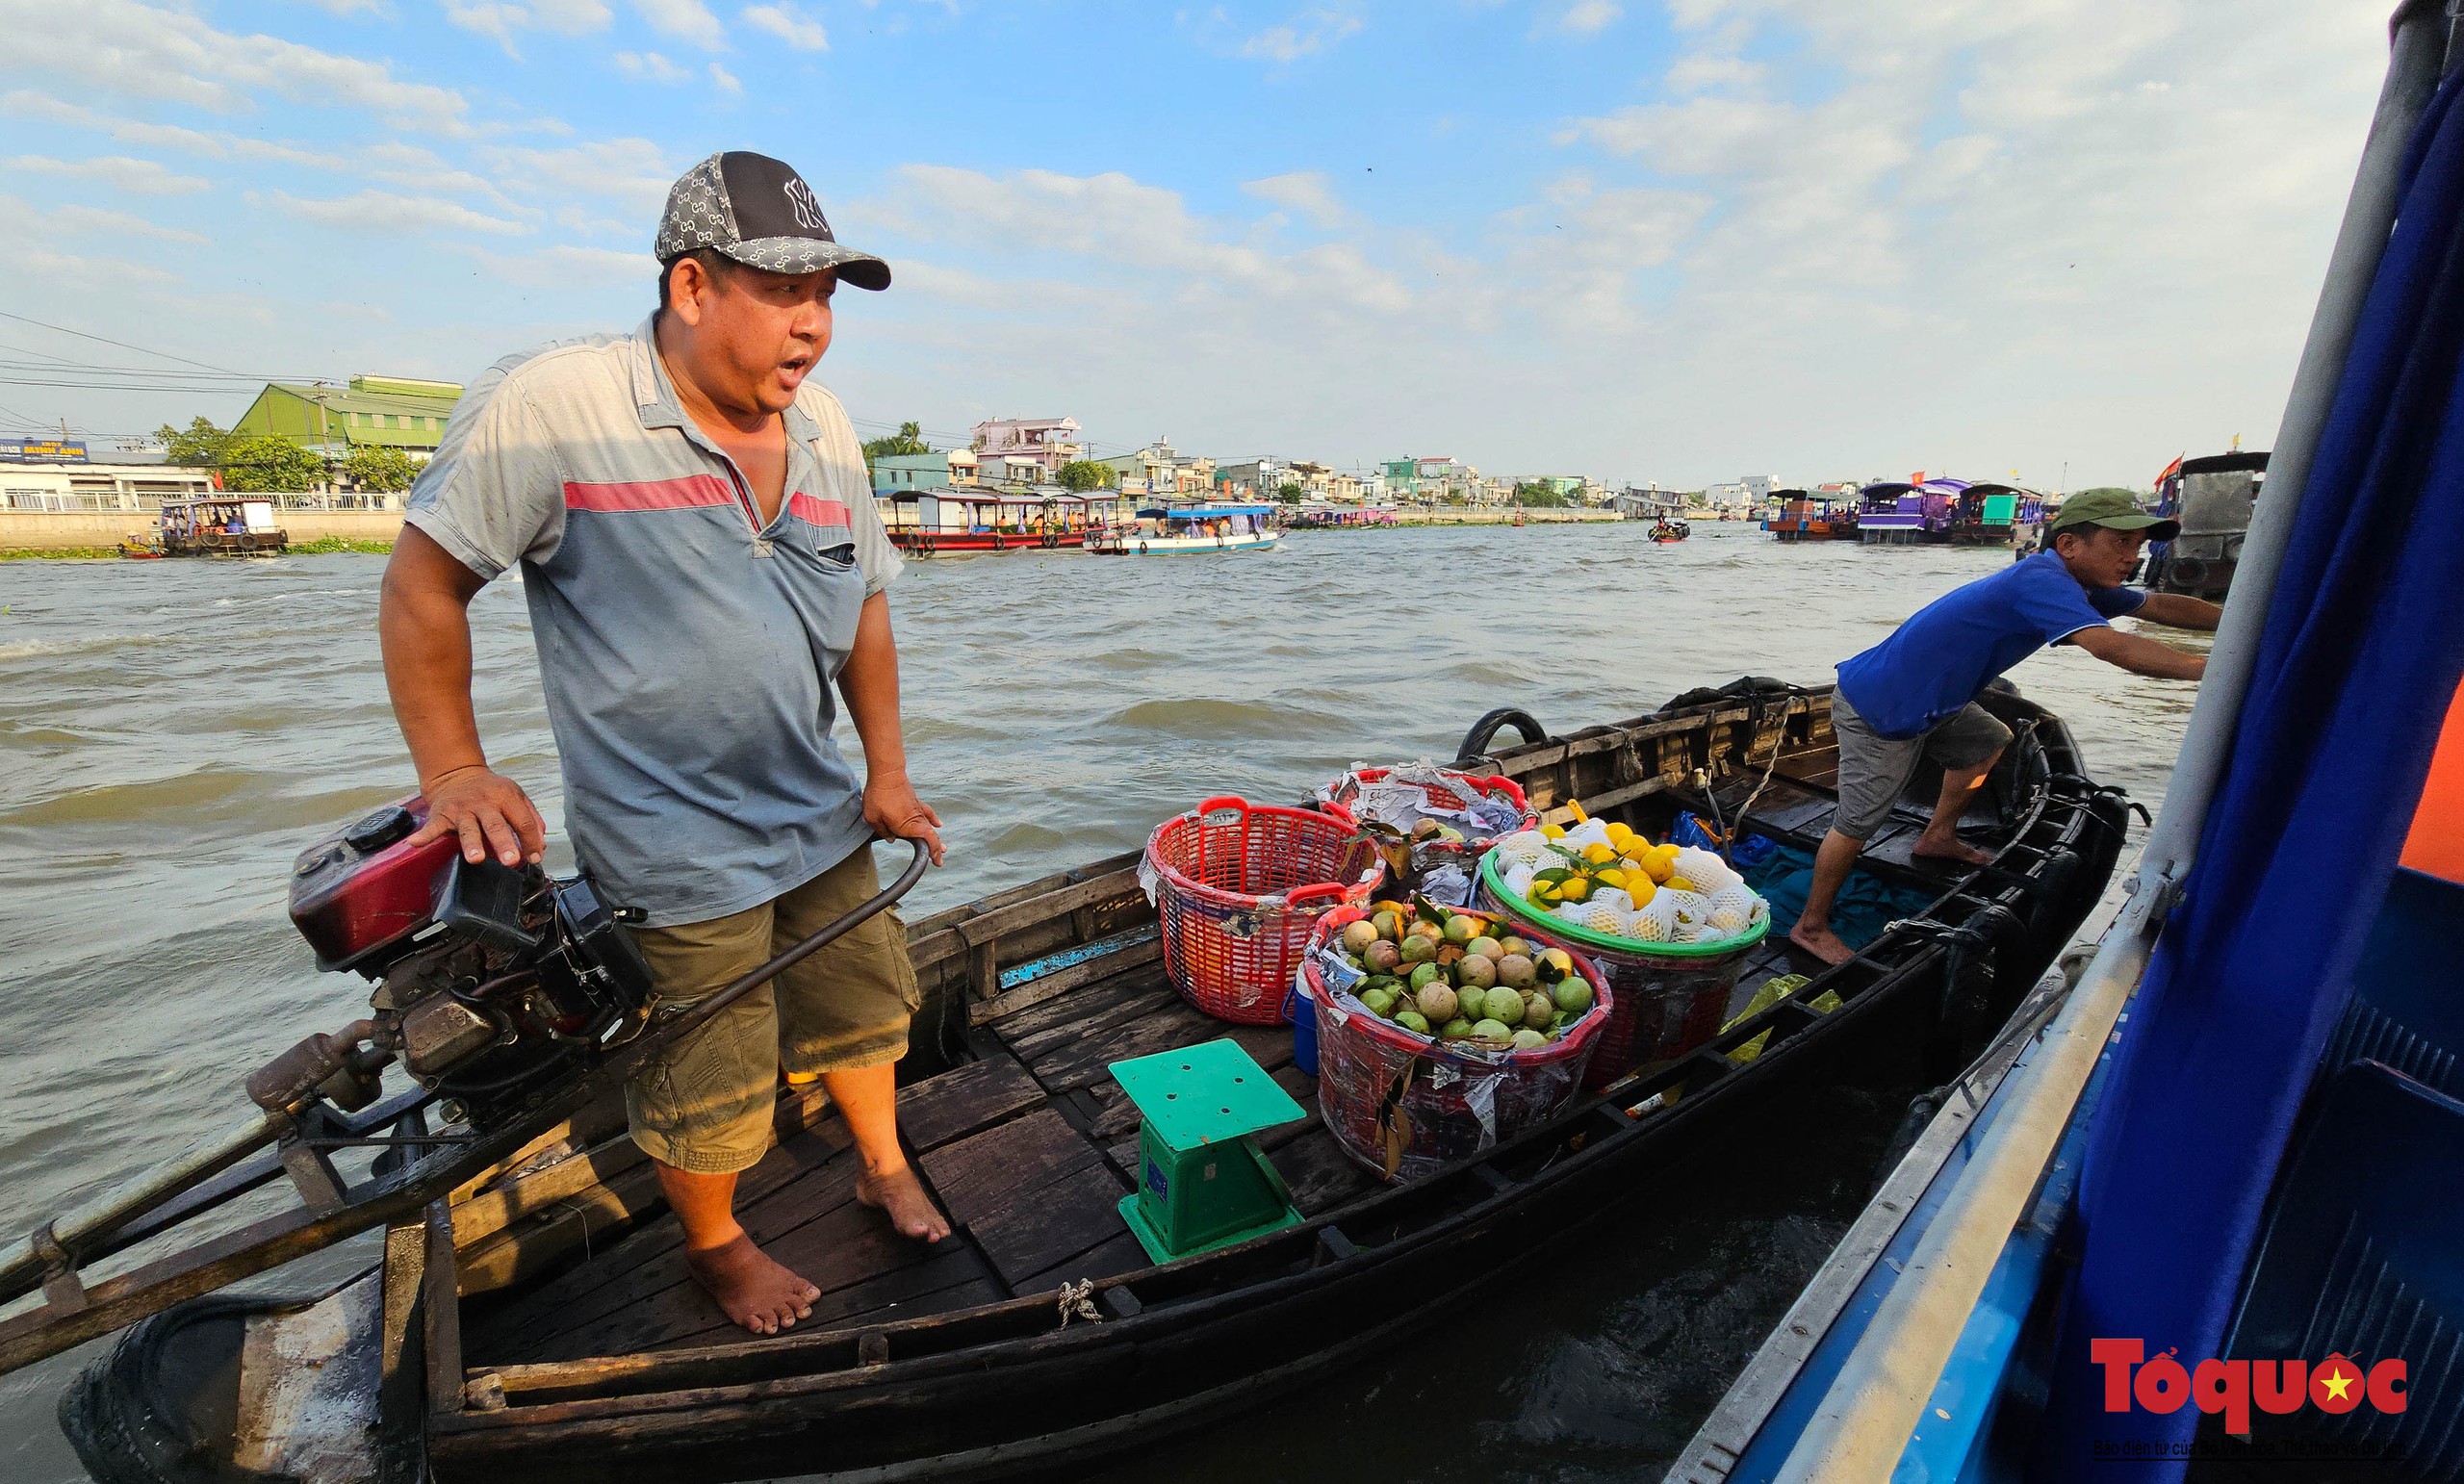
(2114, 510)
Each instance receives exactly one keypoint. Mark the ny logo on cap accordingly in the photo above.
(806, 208)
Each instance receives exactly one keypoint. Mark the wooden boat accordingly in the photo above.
(137, 550)
(1800, 516)
(540, 1325)
(1170, 530)
(953, 522)
(1669, 532)
(1990, 515)
(220, 525)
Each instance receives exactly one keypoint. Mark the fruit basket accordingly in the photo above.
(1671, 997)
(1239, 887)
(1403, 1103)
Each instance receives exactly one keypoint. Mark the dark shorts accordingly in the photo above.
(704, 1103)
(1873, 770)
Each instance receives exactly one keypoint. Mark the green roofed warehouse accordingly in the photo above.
(392, 411)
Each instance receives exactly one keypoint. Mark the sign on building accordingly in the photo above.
(42, 451)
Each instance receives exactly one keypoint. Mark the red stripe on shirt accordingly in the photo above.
(815, 511)
(692, 492)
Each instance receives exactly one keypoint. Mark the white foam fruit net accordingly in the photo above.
(1589, 832)
(1708, 873)
(1529, 847)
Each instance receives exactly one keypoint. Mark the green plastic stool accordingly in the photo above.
(1206, 1183)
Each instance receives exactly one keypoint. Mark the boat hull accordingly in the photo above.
(1179, 546)
(1006, 1386)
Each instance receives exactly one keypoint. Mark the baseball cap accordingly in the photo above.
(760, 213)
(2114, 510)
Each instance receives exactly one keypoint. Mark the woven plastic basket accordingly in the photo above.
(1671, 997)
(1405, 1105)
(1239, 887)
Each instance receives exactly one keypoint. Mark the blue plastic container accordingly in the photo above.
(1302, 1012)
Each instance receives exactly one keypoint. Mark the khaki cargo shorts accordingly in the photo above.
(705, 1102)
(1874, 769)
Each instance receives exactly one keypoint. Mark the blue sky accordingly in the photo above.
(1681, 241)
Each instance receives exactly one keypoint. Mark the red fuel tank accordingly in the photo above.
(363, 890)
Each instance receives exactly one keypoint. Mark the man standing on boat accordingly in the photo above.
(703, 562)
(1913, 695)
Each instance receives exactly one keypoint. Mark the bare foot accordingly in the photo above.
(1953, 849)
(754, 1291)
(1821, 942)
(900, 1193)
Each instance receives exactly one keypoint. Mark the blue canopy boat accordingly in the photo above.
(1164, 530)
(2197, 1211)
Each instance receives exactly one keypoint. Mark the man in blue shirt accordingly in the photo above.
(1913, 695)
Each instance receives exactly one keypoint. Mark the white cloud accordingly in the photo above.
(650, 68)
(788, 22)
(96, 220)
(387, 213)
(686, 20)
(726, 81)
(1305, 34)
(567, 266)
(350, 7)
(631, 173)
(1589, 17)
(1306, 192)
(211, 145)
(1695, 72)
(163, 56)
(126, 172)
(499, 19)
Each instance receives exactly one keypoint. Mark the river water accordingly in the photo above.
(172, 733)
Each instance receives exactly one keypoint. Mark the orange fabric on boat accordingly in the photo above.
(2436, 844)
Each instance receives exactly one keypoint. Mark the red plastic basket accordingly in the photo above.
(1434, 1114)
(1239, 886)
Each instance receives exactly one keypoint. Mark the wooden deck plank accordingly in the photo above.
(804, 1178)
(956, 1279)
(1035, 1231)
(846, 1247)
(1321, 1175)
(1093, 999)
(964, 1100)
(1020, 1157)
(1086, 1060)
(1116, 1255)
(1134, 996)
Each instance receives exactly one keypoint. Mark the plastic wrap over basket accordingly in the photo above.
(1405, 1106)
(1238, 889)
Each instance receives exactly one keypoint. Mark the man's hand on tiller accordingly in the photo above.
(895, 813)
(489, 811)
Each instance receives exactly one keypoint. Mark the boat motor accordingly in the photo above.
(490, 979)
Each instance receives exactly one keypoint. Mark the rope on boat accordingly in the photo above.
(1078, 1303)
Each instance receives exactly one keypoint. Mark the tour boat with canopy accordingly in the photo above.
(1165, 531)
(928, 522)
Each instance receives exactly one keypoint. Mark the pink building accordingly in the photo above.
(1047, 443)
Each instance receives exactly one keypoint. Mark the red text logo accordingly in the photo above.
(2232, 1387)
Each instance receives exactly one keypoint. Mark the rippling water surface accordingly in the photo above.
(171, 733)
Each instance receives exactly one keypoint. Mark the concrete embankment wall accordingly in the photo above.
(64, 530)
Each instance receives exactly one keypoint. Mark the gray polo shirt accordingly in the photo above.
(687, 649)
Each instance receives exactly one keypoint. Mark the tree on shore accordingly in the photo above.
(199, 446)
(1540, 497)
(375, 467)
(909, 439)
(1291, 493)
(1080, 475)
(270, 466)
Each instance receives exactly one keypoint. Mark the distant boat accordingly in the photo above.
(1168, 530)
(1800, 516)
(928, 522)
